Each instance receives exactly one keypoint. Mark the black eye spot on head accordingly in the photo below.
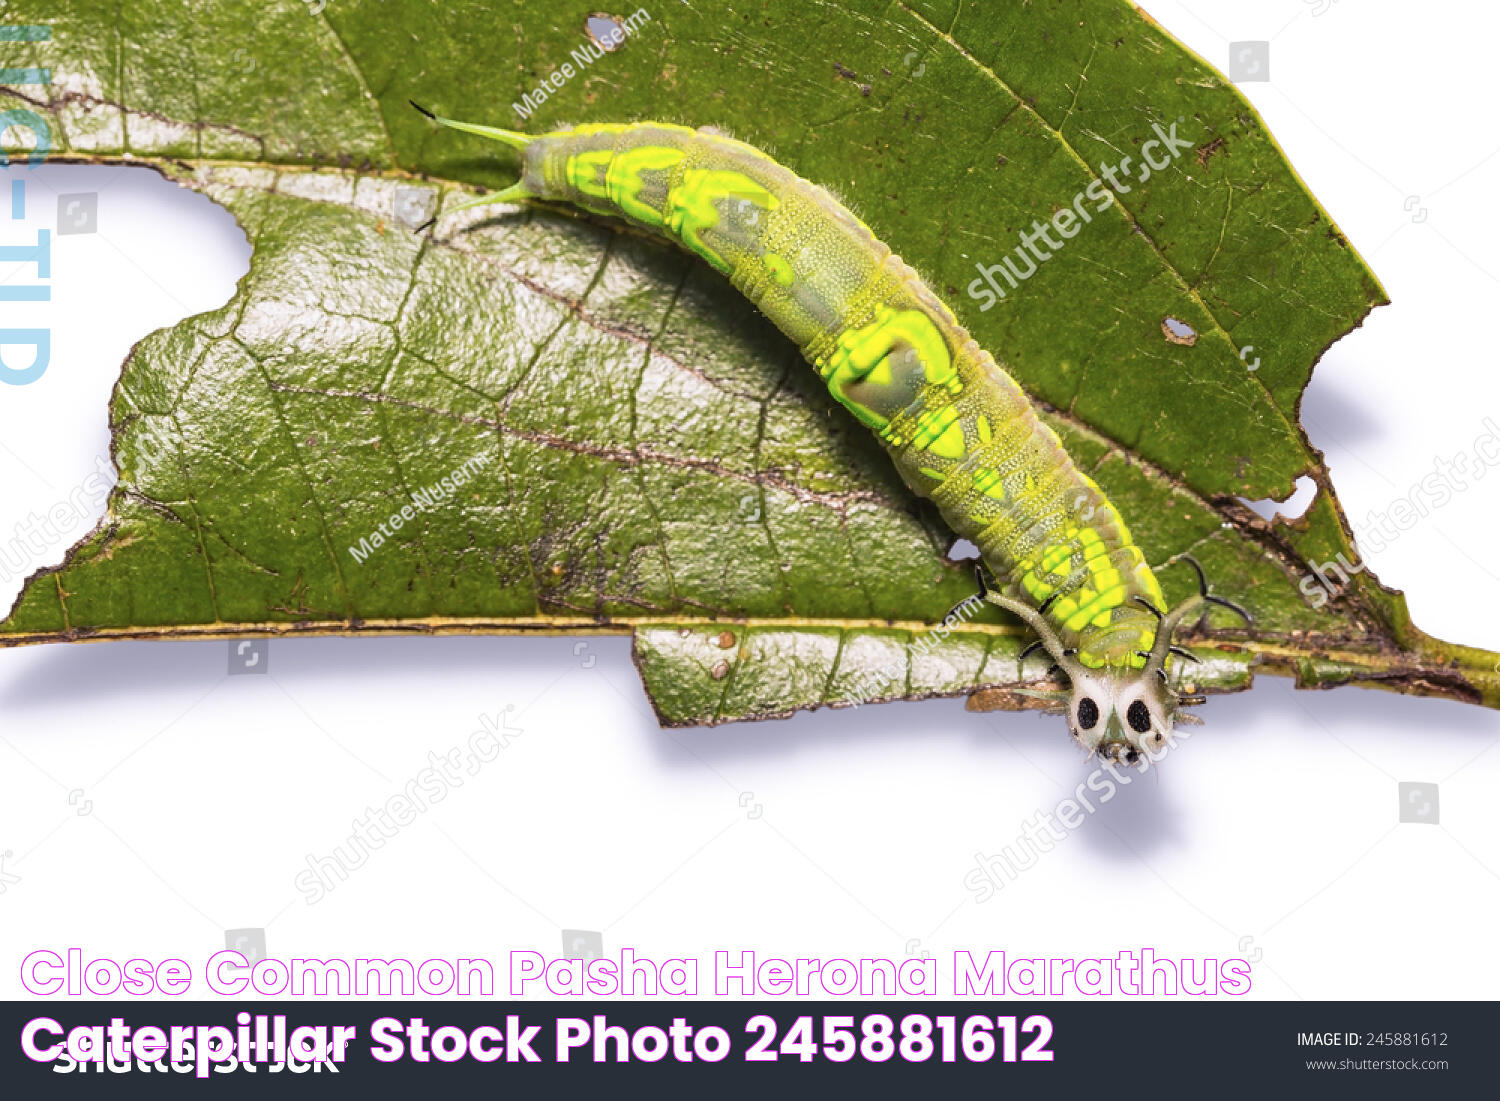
(1138, 716)
(1088, 713)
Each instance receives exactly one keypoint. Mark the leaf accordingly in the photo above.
(640, 451)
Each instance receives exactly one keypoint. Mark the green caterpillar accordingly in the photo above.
(960, 429)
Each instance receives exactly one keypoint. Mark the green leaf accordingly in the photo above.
(640, 451)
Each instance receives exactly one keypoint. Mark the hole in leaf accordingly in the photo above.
(1292, 508)
(1178, 332)
(962, 551)
(607, 31)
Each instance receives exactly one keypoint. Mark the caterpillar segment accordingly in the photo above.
(959, 428)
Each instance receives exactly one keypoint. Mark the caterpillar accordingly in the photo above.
(960, 430)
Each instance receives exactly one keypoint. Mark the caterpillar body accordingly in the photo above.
(959, 428)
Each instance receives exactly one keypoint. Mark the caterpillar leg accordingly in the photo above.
(982, 585)
(1209, 597)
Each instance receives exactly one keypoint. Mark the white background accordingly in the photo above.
(1272, 834)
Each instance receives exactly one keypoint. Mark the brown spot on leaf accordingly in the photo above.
(720, 671)
(1206, 152)
(1003, 699)
(116, 544)
(725, 640)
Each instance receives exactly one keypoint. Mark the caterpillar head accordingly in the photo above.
(1121, 715)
